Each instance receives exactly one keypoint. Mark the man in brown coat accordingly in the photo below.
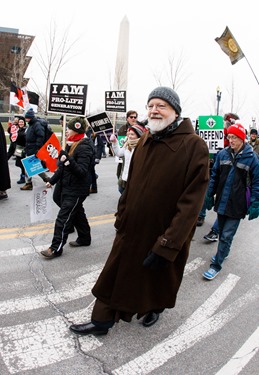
(155, 221)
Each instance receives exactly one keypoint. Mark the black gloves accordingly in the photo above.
(61, 153)
(43, 163)
(155, 262)
(209, 202)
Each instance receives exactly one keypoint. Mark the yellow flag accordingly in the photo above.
(229, 45)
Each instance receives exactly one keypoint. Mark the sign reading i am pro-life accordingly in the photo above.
(211, 130)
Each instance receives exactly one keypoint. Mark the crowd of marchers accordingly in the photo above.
(167, 181)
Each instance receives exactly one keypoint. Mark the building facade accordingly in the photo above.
(13, 62)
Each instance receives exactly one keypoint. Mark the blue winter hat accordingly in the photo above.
(30, 113)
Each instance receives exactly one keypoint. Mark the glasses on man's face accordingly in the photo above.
(159, 107)
(133, 117)
(232, 137)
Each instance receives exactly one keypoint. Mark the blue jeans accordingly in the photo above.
(227, 230)
(203, 211)
(215, 226)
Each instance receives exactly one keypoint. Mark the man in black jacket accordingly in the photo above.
(35, 139)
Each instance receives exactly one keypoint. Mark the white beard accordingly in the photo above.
(158, 124)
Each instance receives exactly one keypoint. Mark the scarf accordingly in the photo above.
(73, 142)
(74, 138)
(167, 131)
(131, 143)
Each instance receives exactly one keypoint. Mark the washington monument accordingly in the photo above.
(121, 68)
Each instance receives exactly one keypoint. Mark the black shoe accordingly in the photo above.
(212, 236)
(22, 179)
(51, 254)
(88, 329)
(150, 319)
(200, 221)
(77, 244)
(3, 196)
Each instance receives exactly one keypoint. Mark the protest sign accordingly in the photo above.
(41, 204)
(33, 166)
(211, 130)
(49, 153)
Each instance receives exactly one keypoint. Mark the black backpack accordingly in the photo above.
(47, 127)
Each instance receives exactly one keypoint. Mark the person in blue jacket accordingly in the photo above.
(235, 171)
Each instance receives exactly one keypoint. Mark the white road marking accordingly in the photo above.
(33, 345)
(193, 265)
(78, 289)
(23, 251)
(188, 337)
(239, 360)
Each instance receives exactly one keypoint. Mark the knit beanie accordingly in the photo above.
(78, 124)
(138, 130)
(169, 95)
(238, 130)
(253, 131)
(230, 119)
(30, 113)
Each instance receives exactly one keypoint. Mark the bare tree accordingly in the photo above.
(175, 73)
(57, 53)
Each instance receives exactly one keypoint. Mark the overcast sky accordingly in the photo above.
(158, 29)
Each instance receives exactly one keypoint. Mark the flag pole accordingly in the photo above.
(251, 69)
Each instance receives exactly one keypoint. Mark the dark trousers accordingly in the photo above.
(71, 213)
(11, 149)
(92, 178)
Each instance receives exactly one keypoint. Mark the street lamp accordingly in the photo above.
(218, 99)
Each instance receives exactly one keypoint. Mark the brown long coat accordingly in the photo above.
(164, 194)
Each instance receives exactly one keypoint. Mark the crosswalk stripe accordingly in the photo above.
(174, 345)
(33, 345)
(78, 289)
(240, 359)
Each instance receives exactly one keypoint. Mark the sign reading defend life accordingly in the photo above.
(211, 130)
(67, 98)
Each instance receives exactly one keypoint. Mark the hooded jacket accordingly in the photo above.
(230, 176)
(35, 136)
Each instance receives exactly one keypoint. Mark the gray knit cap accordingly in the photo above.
(169, 95)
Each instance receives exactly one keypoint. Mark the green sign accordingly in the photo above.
(121, 140)
(211, 130)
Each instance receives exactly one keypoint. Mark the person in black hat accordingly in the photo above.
(34, 140)
(254, 141)
(72, 187)
(155, 220)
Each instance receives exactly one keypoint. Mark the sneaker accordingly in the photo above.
(210, 274)
(27, 186)
(212, 236)
(200, 221)
(213, 258)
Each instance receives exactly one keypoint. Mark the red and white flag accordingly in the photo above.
(16, 96)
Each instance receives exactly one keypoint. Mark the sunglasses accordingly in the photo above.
(133, 117)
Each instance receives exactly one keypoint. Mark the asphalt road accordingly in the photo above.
(212, 330)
